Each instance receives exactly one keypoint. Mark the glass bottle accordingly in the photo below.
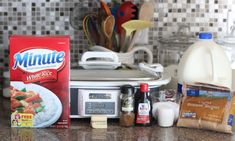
(127, 115)
(143, 106)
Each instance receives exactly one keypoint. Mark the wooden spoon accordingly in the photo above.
(146, 13)
(108, 27)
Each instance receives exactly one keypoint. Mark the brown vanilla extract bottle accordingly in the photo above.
(143, 106)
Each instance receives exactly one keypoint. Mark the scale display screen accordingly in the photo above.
(100, 108)
(99, 96)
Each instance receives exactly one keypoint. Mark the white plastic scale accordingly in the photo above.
(95, 89)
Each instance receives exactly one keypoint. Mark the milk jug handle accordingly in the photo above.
(213, 58)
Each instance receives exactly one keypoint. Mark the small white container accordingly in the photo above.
(165, 117)
(169, 105)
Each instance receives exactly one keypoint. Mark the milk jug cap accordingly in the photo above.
(205, 35)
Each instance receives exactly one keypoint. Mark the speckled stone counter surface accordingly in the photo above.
(81, 131)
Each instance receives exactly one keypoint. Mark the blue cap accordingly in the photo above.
(205, 35)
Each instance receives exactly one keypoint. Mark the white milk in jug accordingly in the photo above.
(205, 62)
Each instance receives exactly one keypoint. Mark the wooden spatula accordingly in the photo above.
(131, 26)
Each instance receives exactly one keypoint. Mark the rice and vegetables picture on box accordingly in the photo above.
(39, 81)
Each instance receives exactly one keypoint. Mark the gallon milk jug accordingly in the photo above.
(205, 62)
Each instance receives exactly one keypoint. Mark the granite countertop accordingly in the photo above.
(81, 130)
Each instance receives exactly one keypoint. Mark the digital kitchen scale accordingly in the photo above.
(95, 92)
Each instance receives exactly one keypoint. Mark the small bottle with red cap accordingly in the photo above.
(143, 106)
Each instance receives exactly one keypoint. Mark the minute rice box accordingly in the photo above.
(39, 79)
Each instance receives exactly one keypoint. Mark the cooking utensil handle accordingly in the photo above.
(135, 36)
(109, 43)
(126, 44)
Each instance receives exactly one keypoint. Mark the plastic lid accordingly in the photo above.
(178, 39)
(183, 37)
(144, 87)
(205, 35)
(127, 89)
(227, 41)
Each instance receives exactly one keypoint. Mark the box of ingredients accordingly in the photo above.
(39, 81)
(206, 106)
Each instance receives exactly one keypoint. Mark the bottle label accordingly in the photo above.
(127, 103)
(143, 113)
